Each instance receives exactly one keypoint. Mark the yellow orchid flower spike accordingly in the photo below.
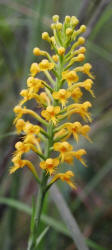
(55, 85)
(58, 98)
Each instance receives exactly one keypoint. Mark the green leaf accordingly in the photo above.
(32, 216)
(104, 18)
(60, 227)
(41, 236)
(93, 245)
(7, 134)
(46, 219)
(16, 204)
(100, 51)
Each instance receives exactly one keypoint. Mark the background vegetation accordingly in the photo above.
(21, 24)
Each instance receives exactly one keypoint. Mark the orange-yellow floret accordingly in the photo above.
(81, 109)
(76, 94)
(87, 85)
(62, 95)
(34, 69)
(32, 140)
(63, 148)
(55, 58)
(78, 155)
(85, 69)
(65, 177)
(70, 76)
(61, 51)
(34, 84)
(37, 51)
(29, 128)
(45, 65)
(20, 125)
(84, 130)
(77, 129)
(51, 113)
(49, 165)
(22, 147)
(19, 163)
(28, 95)
(44, 98)
(45, 36)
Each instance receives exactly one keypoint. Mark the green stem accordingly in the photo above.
(49, 77)
(38, 211)
(41, 196)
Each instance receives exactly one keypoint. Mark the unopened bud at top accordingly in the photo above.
(55, 18)
(53, 26)
(52, 39)
(67, 19)
(74, 21)
(69, 31)
(59, 26)
(45, 36)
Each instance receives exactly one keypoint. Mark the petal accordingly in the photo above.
(56, 146)
(43, 164)
(13, 169)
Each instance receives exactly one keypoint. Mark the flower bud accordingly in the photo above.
(53, 26)
(59, 26)
(67, 19)
(61, 51)
(34, 69)
(36, 51)
(82, 50)
(55, 58)
(55, 18)
(81, 40)
(80, 57)
(83, 28)
(69, 31)
(74, 21)
(45, 36)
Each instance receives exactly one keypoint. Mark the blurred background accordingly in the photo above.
(21, 25)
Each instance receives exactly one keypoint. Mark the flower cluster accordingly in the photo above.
(58, 96)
